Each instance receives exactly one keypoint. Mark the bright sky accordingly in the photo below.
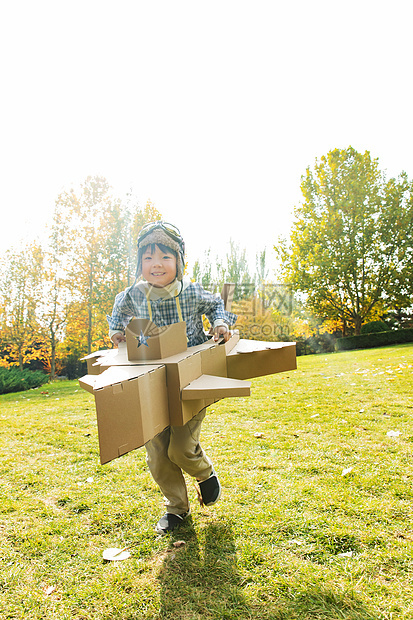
(213, 110)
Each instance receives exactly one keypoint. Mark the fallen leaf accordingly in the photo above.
(393, 433)
(404, 536)
(346, 554)
(49, 590)
(113, 554)
(346, 471)
(179, 543)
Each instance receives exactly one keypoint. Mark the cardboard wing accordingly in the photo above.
(93, 357)
(136, 400)
(207, 386)
(131, 407)
(255, 358)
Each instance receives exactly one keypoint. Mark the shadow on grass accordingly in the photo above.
(201, 581)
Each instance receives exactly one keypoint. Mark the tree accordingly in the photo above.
(53, 310)
(212, 274)
(94, 235)
(261, 266)
(351, 245)
(92, 229)
(54, 299)
(202, 273)
(237, 272)
(20, 293)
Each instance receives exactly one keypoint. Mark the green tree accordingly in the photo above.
(20, 293)
(56, 303)
(92, 227)
(212, 274)
(202, 272)
(261, 266)
(352, 242)
(237, 272)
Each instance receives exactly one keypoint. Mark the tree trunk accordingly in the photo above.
(53, 358)
(357, 325)
(90, 315)
(89, 330)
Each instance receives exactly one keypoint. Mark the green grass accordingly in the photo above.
(292, 538)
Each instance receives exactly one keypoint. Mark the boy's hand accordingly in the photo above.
(117, 338)
(221, 331)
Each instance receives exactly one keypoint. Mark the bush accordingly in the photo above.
(16, 380)
(379, 339)
(73, 367)
(374, 326)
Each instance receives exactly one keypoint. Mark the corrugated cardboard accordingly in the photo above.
(232, 342)
(145, 341)
(221, 387)
(214, 360)
(131, 407)
(91, 359)
(214, 354)
(182, 368)
(253, 358)
(135, 400)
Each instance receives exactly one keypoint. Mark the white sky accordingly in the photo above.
(212, 110)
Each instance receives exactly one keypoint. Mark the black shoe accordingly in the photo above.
(210, 490)
(169, 522)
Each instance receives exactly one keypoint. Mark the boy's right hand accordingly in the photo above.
(117, 338)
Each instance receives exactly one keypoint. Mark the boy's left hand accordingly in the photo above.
(221, 331)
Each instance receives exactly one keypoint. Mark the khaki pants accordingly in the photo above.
(177, 448)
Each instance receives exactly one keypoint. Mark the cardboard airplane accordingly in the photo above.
(154, 380)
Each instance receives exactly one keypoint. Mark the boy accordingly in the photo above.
(164, 296)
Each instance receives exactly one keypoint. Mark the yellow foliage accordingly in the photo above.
(257, 323)
(330, 326)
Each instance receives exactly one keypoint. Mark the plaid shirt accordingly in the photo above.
(194, 301)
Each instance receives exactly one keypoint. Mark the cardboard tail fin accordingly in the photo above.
(210, 386)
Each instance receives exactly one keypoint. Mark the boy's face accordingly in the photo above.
(159, 268)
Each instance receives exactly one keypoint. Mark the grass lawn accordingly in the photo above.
(315, 521)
